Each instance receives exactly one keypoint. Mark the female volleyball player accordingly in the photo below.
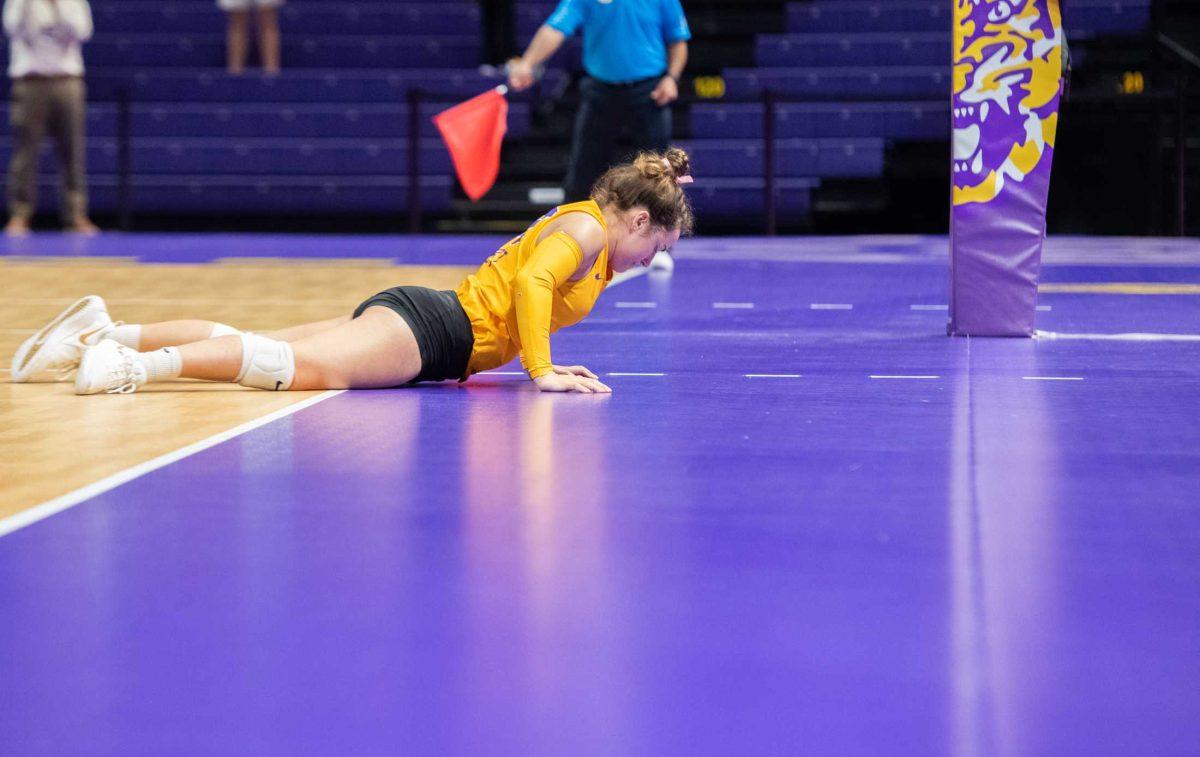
(545, 279)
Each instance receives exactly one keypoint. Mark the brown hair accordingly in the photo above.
(651, 181)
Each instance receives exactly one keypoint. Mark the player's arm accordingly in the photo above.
(545, 44)
(563, 22)
(667, 90)
(676, 34)
(567, 250)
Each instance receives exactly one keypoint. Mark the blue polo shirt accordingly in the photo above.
(623, 40)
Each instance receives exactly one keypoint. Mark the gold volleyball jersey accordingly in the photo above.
(522, 294)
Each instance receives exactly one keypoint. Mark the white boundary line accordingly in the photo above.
(929, 307)
(637, 304)
(773, 375)
(1053, 378)
(1133, 337)
(58, 504)
(829, 306)
(881, 376)
(635, 374)
(733, 305)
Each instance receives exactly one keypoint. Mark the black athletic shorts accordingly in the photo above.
(440, 324)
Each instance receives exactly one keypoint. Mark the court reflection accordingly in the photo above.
(543, 463)
(1005, 546)
(544, 612)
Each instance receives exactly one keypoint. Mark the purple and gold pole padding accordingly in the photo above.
(1007, 85)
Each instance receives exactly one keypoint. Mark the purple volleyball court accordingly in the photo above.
(805, 521)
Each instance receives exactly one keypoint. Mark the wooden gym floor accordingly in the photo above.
(46, 431)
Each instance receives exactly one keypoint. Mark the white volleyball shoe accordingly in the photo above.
(59, 345)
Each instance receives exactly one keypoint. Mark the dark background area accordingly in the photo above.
(1116, 166)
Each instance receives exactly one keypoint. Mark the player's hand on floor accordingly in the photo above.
(569, 382)
(574, 370)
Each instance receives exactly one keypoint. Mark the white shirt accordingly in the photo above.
(46, 36)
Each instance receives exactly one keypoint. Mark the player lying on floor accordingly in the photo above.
(545, 279)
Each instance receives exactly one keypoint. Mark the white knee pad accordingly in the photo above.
(220, 329)
(266, 363)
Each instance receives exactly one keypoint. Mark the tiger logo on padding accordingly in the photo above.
(1007, 74)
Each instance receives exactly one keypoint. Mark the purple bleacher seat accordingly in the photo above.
(189, 17)
(304, 86)
(911, 121)
(298, 86)
(892, 16)
(303, 51)
(265, 194)
(203, 156)
(826, 16)
(794, 158)
(1115, 17)
(279, 121)
(531, 14)
(850, 49)
(732, 198)
(908, 82)
(328, 134)
(447, 17)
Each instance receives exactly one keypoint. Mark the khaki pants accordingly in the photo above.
(58, 105)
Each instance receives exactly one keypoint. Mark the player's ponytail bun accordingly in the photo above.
(653, 181)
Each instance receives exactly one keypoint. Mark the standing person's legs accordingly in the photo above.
(28, 114)
(596, 128)
(268, 38)
(68, 123)
(237, 40)
(649, 122)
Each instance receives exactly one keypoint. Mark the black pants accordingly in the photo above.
(605, 111)
(440, 325)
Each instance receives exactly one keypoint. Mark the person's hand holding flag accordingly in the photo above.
(521, 75)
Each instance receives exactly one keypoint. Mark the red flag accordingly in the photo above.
(473, 132)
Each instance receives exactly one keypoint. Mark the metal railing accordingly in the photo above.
(1187, 61)
(124, 160)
